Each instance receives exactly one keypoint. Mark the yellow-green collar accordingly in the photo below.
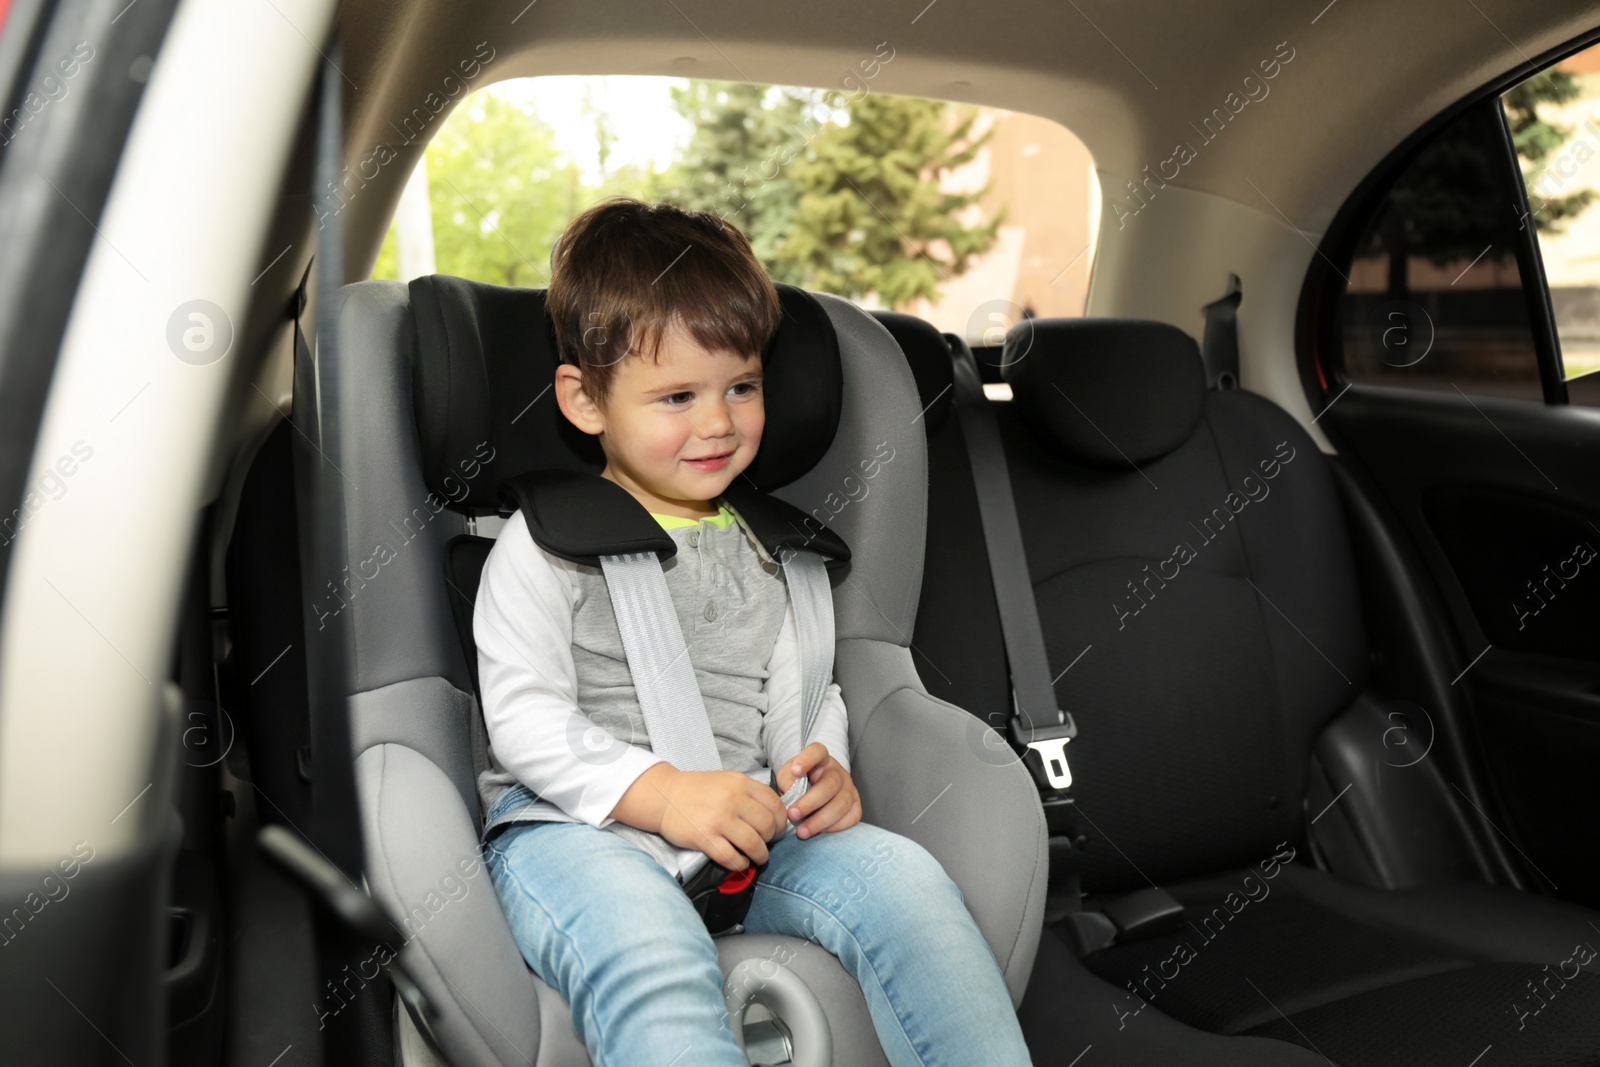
(721, 520)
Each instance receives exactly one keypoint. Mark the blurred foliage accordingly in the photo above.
(1453, 196)
(1535, 138)
(1454, 201)
(735, 163)
(501, 193)
(845, 199)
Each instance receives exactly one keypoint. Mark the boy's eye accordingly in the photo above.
(745, 389)
(678, 398)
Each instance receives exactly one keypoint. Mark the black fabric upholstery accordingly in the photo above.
(963, 665)
(469, 392)
(1107, 392)
(1205, 986)
(780, 526)
(1464, 1013)
(1070, 1012)
(929, 357)
(464, 558)
(266, 617)
(956, 642)
(581, 517)
(1365, 978)
(1198, 597)
(1198, 696)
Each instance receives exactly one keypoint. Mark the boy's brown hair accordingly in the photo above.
(623, 271)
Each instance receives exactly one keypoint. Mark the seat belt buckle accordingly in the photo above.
(722, 897)
(1046, 747)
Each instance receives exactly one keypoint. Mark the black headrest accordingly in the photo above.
(485, 360)
(1107, 391)
(931, 365)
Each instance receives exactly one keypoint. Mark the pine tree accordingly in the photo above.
(872, 217)
(735, 163)
(1535, 138)
(842, 199)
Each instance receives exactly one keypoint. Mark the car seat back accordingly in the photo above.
(453, 383)
(1195, 586)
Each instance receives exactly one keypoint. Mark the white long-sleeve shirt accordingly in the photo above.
(523, 627)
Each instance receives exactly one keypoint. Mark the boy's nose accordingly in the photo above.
(717, 421)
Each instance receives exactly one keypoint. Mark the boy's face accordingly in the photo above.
(676, 432)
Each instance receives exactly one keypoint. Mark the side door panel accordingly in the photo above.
(1438, 372)
(1500, 498)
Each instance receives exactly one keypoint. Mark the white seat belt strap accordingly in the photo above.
(812, 597)
(658, 658)
(663, 678)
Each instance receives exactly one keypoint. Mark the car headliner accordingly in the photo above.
(1128, 78)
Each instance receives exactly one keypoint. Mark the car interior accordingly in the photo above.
(1314, 609)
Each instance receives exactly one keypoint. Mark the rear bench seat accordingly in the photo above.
(1190, 547)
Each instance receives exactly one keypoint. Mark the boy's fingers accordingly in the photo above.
(752, 847)
(766, 815)
(832, 812)
(724, 852)
(770, 802)
(809, 757)
(801, 764)
(818, 794)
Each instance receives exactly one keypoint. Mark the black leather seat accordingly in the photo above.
(1191, 564)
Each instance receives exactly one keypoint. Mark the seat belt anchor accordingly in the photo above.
(1048, 742)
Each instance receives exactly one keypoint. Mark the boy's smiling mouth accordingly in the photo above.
(713, 462)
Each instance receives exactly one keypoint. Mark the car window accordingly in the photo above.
(1554, 118)
(970, 217)
(1435, 295)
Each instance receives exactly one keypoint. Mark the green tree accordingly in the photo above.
(842, 199)
(1446, 200)
(1535, 138)
(499, 195)
(1455, 191)
(735, 162)
(871, 216)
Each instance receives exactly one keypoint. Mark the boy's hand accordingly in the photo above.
(831, 800)
(725, 814)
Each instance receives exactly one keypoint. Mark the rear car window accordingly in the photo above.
(972, 218)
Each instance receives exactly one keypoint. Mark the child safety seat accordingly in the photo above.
(589, 520)
(446, 388)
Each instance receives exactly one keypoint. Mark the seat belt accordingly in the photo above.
(675, 713)
(1036, 721)
(1220, 352)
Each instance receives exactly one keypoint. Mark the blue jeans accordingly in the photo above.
(604, 924)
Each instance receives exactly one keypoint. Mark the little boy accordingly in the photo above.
(661, 316)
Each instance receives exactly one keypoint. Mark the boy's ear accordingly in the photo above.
(576, 404)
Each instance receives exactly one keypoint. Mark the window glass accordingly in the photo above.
(1555, 124)
(970, 217)
(1434, 297)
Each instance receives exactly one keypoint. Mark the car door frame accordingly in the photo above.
(1368, 422)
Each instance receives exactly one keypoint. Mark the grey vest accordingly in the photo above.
(731, 600)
